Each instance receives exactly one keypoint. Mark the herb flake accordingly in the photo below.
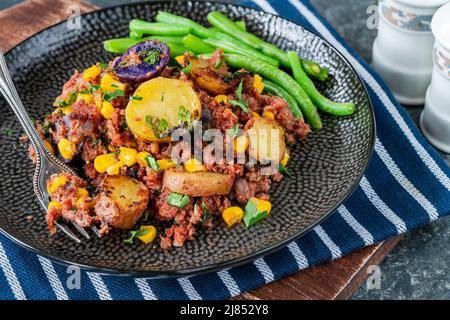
(152, 163)
(178, 200)
(134, 234)
(112, 95)
(252, 214)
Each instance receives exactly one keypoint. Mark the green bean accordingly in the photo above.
(223, 23)
(141, 28)
(231, 47)
(241, 24)
(284, 80)
(197, 45)
(323, 103)
(199, 30)
(173, 40)
(314, 70)
(196, 29)
(121, 45)
(275, 89)
(176, 50)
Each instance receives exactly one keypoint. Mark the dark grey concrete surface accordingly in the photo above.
(418, 267)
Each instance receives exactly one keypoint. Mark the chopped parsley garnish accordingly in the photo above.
(162, 97)
(103, 65)
(218, 64)
(178, 200)
(240, 103)
(152, 163)
(113, 85)
(184, 115)
(159, 126)
(206, 214)
(46, 128)
(92, 88)
(233, 132)
(186, 70)
(134, 234)
(284, 171)
(136, 98)
(253, 214)
(69, 101)
(8, 132)
(112, 95)
(151, 57)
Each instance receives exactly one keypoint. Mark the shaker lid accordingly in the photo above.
(440, 25)
(424, 3)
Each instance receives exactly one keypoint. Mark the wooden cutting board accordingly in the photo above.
(338, 279)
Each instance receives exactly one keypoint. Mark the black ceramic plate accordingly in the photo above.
(326, 167)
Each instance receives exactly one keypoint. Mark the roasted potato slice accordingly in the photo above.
(121, 201)
(206, 78)
(266, 140)
(161, 99)
(198, 184)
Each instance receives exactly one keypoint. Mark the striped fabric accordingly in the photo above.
(405, 186)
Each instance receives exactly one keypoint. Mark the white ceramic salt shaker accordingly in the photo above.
(435, 118)
(402, 51)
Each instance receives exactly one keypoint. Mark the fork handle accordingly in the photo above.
(9, 91)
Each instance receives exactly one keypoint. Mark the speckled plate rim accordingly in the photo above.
(233, 262)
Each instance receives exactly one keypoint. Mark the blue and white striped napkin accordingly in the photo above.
(406, 186)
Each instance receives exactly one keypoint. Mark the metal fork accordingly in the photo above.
(46, 163)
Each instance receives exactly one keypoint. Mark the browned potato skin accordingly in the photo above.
(207, 79)
(198, 184)
(121, 202)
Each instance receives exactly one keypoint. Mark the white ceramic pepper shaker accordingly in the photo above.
(402, 51)
(435, 118)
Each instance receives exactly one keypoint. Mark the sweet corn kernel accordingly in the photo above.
(262, 205)
(232, 215)
(127, 156)
(110, 84)
(165, 164)
(221, 98)
(49, 147)
(54, 204)
(81, 192)
(285, 159)
(193, 165)
(115, 168)
(241, 144)
(66, 148)
(91, 73)
(82, 200)
(104, 161)
(56, 183)
(140, 157)
(255, 115)
(87, 97)
(180, 59)
(149, 236)
(268, 114)
(107, 109)
(258, 84)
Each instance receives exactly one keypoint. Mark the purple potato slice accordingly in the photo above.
(143, 61)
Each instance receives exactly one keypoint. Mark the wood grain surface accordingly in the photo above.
(337, 279)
